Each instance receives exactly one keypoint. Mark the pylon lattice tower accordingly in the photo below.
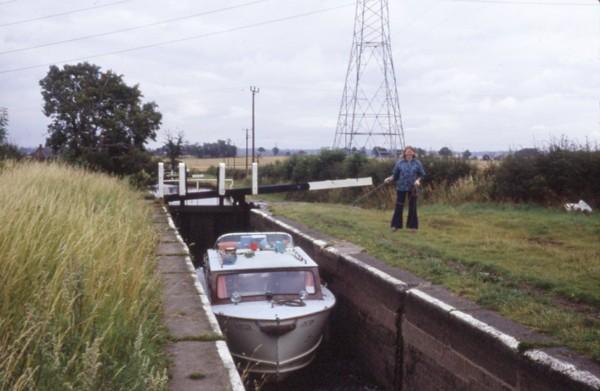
(370, 110)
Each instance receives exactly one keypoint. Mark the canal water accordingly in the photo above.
(332, 370)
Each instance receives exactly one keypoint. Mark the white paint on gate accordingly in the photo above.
(340, 183)
(182, 179)
(221, 179)
(161, 180)
(254, 178)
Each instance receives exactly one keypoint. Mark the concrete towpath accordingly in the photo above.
(199, 358)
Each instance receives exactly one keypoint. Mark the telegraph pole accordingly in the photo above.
(246, 150)
(254, 91)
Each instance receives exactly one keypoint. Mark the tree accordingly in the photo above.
(7, 151)
(3, 124)
(527, 153)
(97, 119)
(173, 147)
(222, 148)
(445, 152)
(275, 151)
(466, 154)
(421, 152)
(261, 150)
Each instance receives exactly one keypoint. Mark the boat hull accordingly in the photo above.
(274, 347)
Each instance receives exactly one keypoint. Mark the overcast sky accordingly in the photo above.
(477, 74)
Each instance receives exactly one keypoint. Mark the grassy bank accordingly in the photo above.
(537, 266)
(79, 303)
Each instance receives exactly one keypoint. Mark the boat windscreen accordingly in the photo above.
(262, 241)
(264, 283)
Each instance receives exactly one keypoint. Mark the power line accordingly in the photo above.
(516, 2)
(165, 21)
(6, 2)
(62, 13)
(172, 41)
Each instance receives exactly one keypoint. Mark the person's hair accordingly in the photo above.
(406, 148)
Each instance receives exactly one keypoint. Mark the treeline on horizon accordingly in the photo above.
(563, 172)
(220, 148)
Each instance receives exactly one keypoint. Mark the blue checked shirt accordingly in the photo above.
(406, 172)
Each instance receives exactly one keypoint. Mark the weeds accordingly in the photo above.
(79, 300)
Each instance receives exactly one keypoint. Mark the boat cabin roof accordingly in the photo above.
(247, 259)
(260, 240)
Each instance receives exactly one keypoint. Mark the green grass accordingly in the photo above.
(538, 266)
(79, 298)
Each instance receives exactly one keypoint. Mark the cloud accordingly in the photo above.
(470, 75)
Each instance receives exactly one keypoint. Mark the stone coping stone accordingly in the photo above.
(168, 237)
(497, 321)
(171, 248)
(301, 227)
(408, 278)
(196, 366)
(574, 373)
(183, 312)
(172, 264)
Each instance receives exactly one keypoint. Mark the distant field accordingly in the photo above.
(539, 267)
(483, 164)
(80, 305)
(238, 162)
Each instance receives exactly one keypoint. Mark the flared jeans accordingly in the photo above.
(413, 220)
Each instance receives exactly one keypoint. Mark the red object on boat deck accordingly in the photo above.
(253, 246)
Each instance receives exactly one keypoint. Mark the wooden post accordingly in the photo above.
(182, 181)
(221, 179)
(254, 178)
(161, 180)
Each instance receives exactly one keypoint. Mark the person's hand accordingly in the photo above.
(388, 179)
(418, 182)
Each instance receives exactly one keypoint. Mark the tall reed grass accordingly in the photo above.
(79, 301)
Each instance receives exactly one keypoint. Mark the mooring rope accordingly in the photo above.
(356, 201)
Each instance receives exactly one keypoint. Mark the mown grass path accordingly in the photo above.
(537, 266)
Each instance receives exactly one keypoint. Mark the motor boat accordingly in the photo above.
(268, 299)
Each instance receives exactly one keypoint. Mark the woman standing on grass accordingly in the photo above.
(407, 174)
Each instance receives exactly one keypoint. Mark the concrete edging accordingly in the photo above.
(222, 349)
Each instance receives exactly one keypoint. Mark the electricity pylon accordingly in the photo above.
(370, 110)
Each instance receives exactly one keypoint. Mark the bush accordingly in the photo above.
(10, 152)
(447, 171)
(440, 174)
(562, 173)
(554, 176)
